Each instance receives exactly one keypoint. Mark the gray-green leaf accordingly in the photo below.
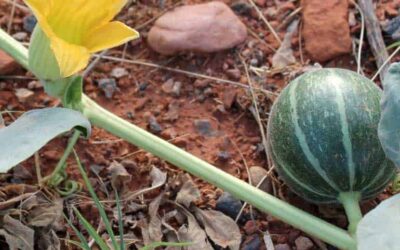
(389, 125)
(379, 229)
(33, 130)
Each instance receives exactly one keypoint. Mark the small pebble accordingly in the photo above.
(35, 85)
(282, 247)
(254, 244)
(29, 23)
(392, 28)
(119, 72)
(234, 74)
(143, 86)
(109, 86)
(203, 126)
(23, 94)
(154, 126)
(20, 36)
(228, 205)
(250, 227)
(303, 243)
(241, 7)
(223, 156)
(167, 86)
(176, 89)
(257, 174)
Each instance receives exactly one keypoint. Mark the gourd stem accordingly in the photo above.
(180, 158)
(238, 188)
(14, 48)
(350, 201)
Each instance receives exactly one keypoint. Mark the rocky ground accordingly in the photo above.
(188, 79)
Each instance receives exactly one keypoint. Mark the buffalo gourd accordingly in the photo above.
(322, 136)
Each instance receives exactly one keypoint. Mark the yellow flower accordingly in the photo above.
(77, 28)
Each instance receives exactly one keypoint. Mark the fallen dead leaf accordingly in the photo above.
(22, 235)
(119, 176)
(221, 229)
(188, 193)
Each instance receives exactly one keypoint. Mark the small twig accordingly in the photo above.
(93, 64)
(384, 65)
(289, 18)
(265, 21)
(180, 71)
(359, 67)
(257, 115)
(20, 6)
(10, 21)
(37, 167)
(374, 35)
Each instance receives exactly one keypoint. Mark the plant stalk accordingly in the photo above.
(350, 201)
(238, 188)
(14, 48)
(180, 158)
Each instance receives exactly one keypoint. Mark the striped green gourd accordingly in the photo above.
(322, 136)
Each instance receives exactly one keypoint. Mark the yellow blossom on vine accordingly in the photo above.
(77, 28)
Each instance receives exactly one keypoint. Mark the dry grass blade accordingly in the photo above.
(265, 21)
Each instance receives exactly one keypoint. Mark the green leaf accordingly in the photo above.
(73, 93)
(120, 221)
(97, 238)
(84, 244)
(97, 202)
(379, 229)
(166, 244)
(33, 130)
(389, 125)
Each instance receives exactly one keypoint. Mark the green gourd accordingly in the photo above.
(322, 136)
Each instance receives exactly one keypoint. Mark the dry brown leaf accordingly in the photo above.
(48, 240)
(284, 55)
(188, 193)
(195, 234)
(221, 229)
(119, 176)
(158, 179)
(21, 232)
(45, 215)
(155, 233)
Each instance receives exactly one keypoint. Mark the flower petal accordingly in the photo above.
(108, 36)
(71, 58)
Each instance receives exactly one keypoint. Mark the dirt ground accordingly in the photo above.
(141, 97)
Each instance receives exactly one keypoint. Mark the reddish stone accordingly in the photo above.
(207, 27)
(7, 63)
(326, 30)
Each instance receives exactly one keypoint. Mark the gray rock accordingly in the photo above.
(303, 243)
(20, 36)
(253, 244)
(282, 247)
(119, 72)
(228, 205)
(257, 174)
(203, 126)
(154, 126)
(207, 27)
(29, 23)
(109, 86)
(23, 94)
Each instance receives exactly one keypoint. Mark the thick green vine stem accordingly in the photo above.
(180, 158)
(240, 189)
(14, 48)
(350, 201)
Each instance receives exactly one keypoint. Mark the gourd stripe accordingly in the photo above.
(302, 138)
(377, 179)
(295, 179)
(348, 147)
